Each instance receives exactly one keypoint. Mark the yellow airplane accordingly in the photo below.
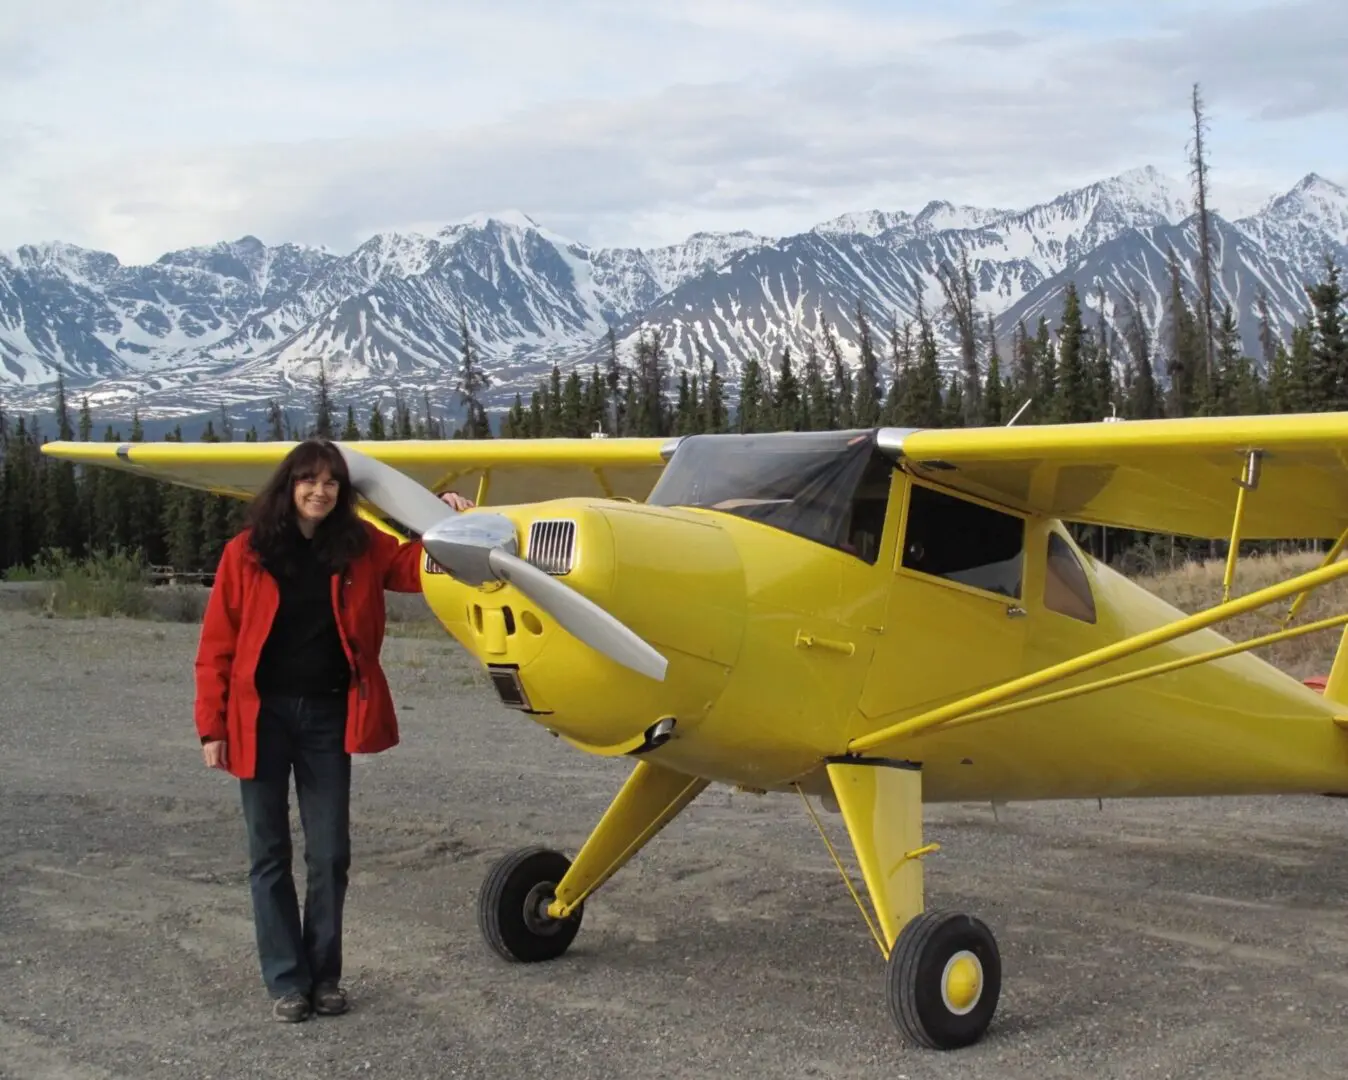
(873, 619)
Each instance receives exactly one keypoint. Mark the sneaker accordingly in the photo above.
(291, 1009)
(329, 999)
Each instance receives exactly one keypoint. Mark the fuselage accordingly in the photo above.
(802, 604)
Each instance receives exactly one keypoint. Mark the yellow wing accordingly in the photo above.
(515, 470)
(1167, 476)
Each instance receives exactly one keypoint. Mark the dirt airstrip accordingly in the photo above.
(1169, 939)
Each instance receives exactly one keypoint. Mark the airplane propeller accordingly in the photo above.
(480, 547)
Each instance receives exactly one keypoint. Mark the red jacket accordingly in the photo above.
(238, 618)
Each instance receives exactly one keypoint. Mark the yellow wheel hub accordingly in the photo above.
(962, 982)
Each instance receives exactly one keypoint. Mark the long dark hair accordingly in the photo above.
(340, 537)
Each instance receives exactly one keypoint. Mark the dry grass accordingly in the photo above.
(1195, 586)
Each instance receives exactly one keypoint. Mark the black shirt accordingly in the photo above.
(303, 654)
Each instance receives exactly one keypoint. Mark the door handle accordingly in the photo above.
(809, 641)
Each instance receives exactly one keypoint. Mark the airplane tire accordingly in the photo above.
(512, 907)
(943, 979)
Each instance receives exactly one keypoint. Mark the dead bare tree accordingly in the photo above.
(1199, 174)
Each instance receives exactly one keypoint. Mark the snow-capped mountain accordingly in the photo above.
(243, 321)
(84, 313)
(1115, 234)
(1295, 226)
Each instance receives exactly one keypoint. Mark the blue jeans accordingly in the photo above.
(306, 735)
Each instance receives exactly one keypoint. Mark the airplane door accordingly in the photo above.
(955, 618)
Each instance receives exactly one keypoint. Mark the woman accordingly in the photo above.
(288, 678)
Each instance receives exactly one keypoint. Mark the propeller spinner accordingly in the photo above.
(480, 547)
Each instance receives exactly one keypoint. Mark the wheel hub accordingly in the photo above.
(962, 982)
(536, 916)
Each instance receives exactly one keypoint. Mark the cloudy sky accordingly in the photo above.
(138, 126)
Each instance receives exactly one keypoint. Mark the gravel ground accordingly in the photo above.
(1165, 939)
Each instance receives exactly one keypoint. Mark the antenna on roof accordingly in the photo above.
(1019, 411)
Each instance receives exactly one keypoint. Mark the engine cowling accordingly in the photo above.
(674, 577)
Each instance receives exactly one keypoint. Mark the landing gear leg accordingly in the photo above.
(532, 901)
(943, 969)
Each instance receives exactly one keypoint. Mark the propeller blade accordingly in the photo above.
(579, 616)
(394, 492)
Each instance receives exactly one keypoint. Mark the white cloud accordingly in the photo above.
(188, 122)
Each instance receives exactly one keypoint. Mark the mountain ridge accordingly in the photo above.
(241, 321)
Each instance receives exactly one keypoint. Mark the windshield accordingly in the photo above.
(828, 486)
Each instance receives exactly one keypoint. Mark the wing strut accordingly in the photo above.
(1305, 594)
(1248, 482)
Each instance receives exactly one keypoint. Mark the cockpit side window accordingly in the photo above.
(964, 541)
(1066, 587)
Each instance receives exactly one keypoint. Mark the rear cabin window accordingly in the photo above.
(952, 538)
(1066, 588)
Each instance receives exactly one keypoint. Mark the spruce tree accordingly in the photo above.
(1023, 372)
(868, 393)
(960, 297)
(787, 402)
(1281, 394)
(61, 501)
(901, 351)
(994, 390)
(952, 409)
(714, 417)
(751, 412)
(113, 527)
(572, 424)
(375, 425)
(613, 382)
(652, 414)
(276, 429)
(1184, 362)
(1103, 367)
(514, 425)
(1143, 401)
(471, 385)
(683, 410)
(146, 506)
(1328, 344)
(1045, 373)
(818, 407)
(926, 404)
(9, 510)
(1072, 403)
(536, 422)
(842, 415)
(20, 522)
(214, 515)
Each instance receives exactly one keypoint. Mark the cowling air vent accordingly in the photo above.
(552, 545)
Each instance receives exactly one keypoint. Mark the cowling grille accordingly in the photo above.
(552, 545)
